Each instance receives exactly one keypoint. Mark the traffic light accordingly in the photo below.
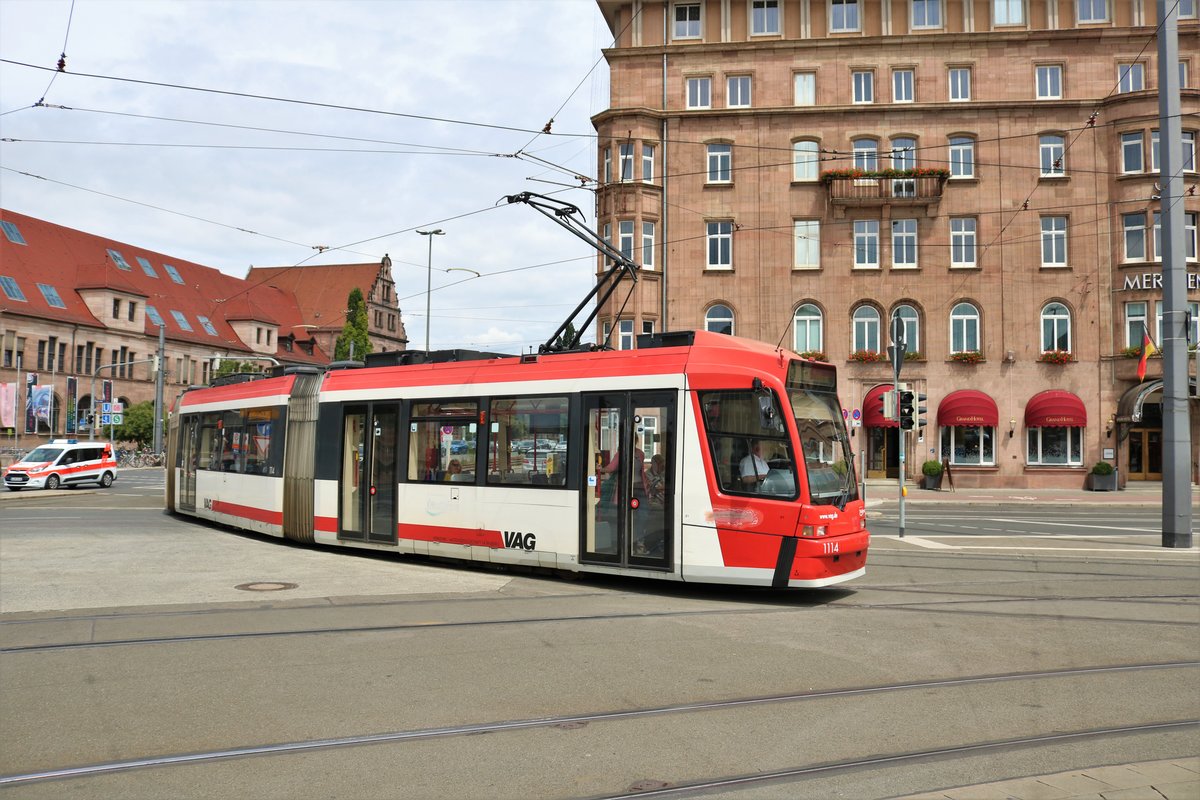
(887, 404)
(906, 409)
(909, 409)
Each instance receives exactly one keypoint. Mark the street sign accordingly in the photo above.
(896, 356)
(106, 408)
(118, 419)
(118, 408)
(106, 419)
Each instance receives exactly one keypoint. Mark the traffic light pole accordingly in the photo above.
(900, 440)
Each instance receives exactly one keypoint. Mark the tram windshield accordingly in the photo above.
(828, 458)
(750, 449)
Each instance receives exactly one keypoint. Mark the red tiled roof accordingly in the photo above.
(320, 290)
(71, 260)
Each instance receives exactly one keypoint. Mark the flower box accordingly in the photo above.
(967, 357)
(1058, 357)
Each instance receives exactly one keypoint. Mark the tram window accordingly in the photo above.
(442, 441)
(749, 459)
(233, 442)
(527, 441)
(262, 456)
(209, 454)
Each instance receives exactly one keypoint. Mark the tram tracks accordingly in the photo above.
(945, 606)
(573, 721)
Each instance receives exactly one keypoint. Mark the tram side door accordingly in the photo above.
(367, 491)
(627, 503)
(189, 446)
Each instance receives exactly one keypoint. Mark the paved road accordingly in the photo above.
(128, 650)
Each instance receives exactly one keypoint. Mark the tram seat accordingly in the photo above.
(538, 479)
(517, 477)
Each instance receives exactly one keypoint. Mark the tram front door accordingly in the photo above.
(368, 475)
(189, 443)
(627, 501)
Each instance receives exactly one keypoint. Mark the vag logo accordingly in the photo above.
(520, 541)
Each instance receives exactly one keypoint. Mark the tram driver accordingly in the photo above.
(754, 468)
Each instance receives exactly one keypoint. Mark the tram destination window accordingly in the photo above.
(751, 454)
(443, 441)
(527, 441)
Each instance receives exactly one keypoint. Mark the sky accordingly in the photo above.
(386, 117)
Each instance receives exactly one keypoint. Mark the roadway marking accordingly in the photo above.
(917, 540)
(921, 542)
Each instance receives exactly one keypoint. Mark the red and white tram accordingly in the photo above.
(741, 470)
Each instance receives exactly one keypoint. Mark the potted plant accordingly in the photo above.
(967, 357)
(867, 356)
(814, 355)
(1103, 477)
(931, 475)
(1058, 357)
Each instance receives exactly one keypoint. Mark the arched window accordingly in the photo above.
(807, 325)
(912, 327)
(805, 160)
(1056, 328)
(866, 330)
(866, 154)
(719, 319)
(964, 328)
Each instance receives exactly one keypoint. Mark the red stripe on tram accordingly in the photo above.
(477, 537)
(248, 512)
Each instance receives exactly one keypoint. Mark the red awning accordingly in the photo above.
(873, 411)
(1055, 408)
(968, 408)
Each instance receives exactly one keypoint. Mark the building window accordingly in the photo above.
(12, 289)
(625, 162)
(1188, 160)
(607, 165)
(648, 163)
(807, 327)
(687, 21)
(720, 163)
(625, 238)
(647, 327)
(719, 319)
(720, 244)
(206, 323)
(843, 16)
(904, 157)
(866, 154)
(1055, 447)
(625, 334)
(1131, 77)
(764, 17)
(699, 92)
(904, 243)
(962, 157)
(131, 307)
(181, 320)
(1054, 241)
(147, 267)
(902, 86)
(864, 86)
(174, 273)
(960, 83)
(1049, 82)
(1008, 12)
(805, 160)
(119, 260)
(738, 95)
(116, 308)
(154, 316)
(805, 91)
(1133, 227)
(51, 296)
(1189, 236)
(1187, 9)
(1131, 152)
(1056, 328)
(1091, 10)
(647, 245)
(912, 327)
(866, 330)
(1051, 148)
(962, 242)
(12, 232)
(964, 328)
(927, 13)
(969, 446)
(866, 244)
(808, 244)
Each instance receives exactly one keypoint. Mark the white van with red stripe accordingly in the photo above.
(64, 463)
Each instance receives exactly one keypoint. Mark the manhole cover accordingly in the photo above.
(265, 586)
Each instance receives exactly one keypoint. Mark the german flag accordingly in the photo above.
(1148, 350)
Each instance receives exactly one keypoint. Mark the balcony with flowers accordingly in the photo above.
(858, 188)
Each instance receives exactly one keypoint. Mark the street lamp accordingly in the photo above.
(429, 279)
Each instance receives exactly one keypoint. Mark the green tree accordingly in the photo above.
(138, 425)
(567, 338)
(229, 366)
(355, 329)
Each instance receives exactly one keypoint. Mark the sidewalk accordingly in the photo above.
(1170, 779)
(881, 491)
